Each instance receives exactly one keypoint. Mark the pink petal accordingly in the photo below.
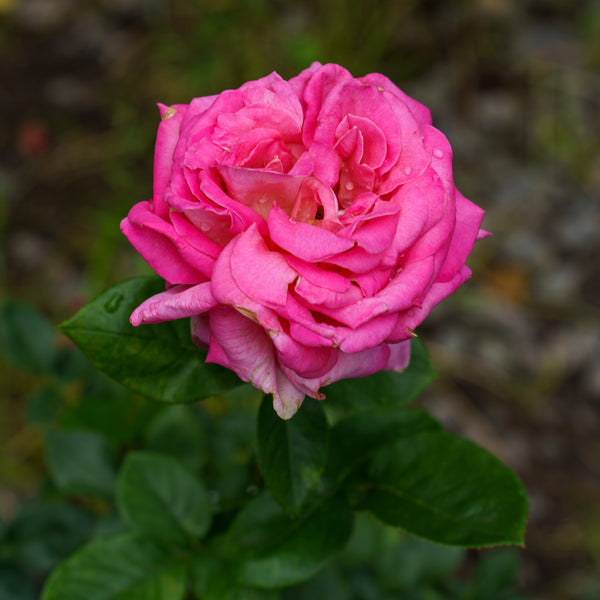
(307, 361)
(319, 276)
(420, 111)
(314, 295)
(410, 319)
(360, 137)
(304, 241)
(242, 216)
(402, 291)
(298, 83)
(262, 275)
(368, 335)
(260, 189)
(226, 291)
(347, 366)
(165, 251)
(375, 234)
(241, 345)
(468, 220)
(287, 398)
(194, 235)
(166, 140)
(437, 145)
(178, 302)
(316, 90)
(355, 260)
(200, 330)
(399, 357)
(372, 282)
(414, 213)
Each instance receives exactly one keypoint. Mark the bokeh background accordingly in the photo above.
(515, 86)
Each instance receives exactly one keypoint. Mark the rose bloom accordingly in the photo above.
(306, 227)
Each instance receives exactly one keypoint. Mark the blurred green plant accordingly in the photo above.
(129, 480)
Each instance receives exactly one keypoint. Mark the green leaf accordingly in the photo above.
(107, 408)
(292, 453)
(43, 406)
(27, 337)
(80, 462)
(448, 490)
(496, 572)
(15, 585)
(385, 388)
(120, 567)
(356, 438)
(211, 578)
(178, 431)
(277, 550)
(158, 361)
(159, 498)
(423, 563)
(43, 533)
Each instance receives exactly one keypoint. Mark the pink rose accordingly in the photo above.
(306, 227)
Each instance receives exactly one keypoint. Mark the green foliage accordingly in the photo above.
(278, 550)
(222, 501)
(448, 490)
(159, 361)
(292, 453)
(393, 389)
(80, 462)
(26, 337)
(160, 499)
(121, 567)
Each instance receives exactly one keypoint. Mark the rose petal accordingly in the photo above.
(178, 302)
(368, 335)
(165, 251)
(403, 290)
(421, 113)
(166, 140)
(466, 230)
(304, 241)
(314, 295)
(411, 318)
(241, 345)
(347, 366)
(262, 275)
(307, 361)
(316, 91)
(200, 330)
(287, 398)
(260, 189)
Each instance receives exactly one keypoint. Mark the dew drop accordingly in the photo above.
(112, 304)
(407, 170)
(349, 186)
(438, 153)
(204, 226)
(262, 200)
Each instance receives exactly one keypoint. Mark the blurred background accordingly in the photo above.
(514, 84)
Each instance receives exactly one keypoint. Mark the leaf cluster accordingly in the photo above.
(224, 500)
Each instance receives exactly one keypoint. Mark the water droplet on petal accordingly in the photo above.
(438, 153)
(262, 200)
(407, 170)
(204, 226)
(349, 186)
